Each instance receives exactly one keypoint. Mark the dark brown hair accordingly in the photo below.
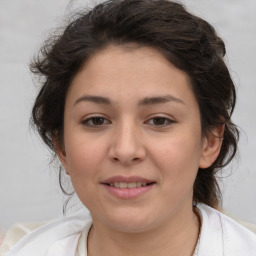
(187, 41)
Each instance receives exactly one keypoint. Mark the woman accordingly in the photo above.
(136, 102)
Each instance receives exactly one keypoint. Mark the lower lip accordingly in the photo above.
(128, 193)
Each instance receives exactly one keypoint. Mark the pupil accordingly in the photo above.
(98, 121)
(159, 121)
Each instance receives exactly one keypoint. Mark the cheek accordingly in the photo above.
(84, 162)
(178, 150)
(178, 156)
(83, 157)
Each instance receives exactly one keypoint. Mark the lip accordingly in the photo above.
(126, 179)
(127, 193)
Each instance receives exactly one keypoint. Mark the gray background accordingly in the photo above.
(28, 185)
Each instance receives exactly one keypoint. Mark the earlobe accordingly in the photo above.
(211, 146)
(60, 151)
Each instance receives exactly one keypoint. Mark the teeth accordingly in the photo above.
(138, 184)
(117, 184)
(123, 185)
(128, 185)
(132, 185)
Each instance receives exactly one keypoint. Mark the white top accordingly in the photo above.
(220, 236)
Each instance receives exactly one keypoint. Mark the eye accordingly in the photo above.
(95, 121)
(160, 121)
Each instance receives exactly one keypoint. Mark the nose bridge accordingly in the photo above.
(127, 144)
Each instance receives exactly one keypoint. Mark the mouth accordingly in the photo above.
(124, 185)
(128, 187)
(127, 182)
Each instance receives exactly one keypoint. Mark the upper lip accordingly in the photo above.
(126, 179)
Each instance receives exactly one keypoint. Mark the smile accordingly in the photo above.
(129, 185)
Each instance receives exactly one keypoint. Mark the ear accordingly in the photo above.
(211, 146)
(60, 151)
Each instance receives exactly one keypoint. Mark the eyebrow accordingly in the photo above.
(143, 102)
(94, 99)
(159, 99)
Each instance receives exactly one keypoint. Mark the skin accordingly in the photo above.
(126, 134)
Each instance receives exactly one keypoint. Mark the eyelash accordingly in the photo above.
(167, 121)
(94, 118)
(90, 121)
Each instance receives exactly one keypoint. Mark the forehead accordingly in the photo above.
(130, 72)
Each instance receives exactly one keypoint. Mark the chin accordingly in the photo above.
(130, 223)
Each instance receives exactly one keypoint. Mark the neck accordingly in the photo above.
(178, 237)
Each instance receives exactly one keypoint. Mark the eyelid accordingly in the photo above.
(168, 119)
(86, 121)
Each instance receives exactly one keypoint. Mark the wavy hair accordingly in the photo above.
(187, 41)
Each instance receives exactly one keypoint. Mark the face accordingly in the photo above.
(132, 139)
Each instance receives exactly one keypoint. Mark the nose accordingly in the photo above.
(127, 145)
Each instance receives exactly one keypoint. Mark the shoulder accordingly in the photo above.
(223, 235)
(55, 237)
(248, 225)
(16, 233)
